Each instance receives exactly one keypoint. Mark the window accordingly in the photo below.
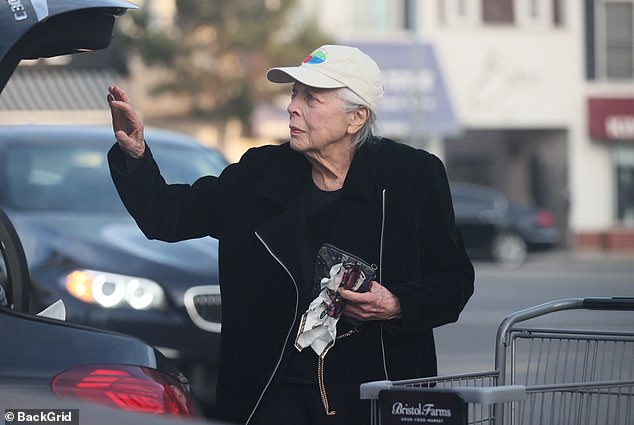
(538, 13)
(69, 177)
(378, 16)
(459, 12)
(610, 41)
(498, 11)
(523, 13)
(624, 176)
(618, 40)
(409, 12)
(558, 12)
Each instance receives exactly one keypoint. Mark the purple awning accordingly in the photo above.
(416, 103)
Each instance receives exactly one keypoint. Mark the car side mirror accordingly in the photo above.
(31, 29)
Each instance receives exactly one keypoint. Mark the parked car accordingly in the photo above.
(43, 358)
(494, 226)
(85, 249)
(13, 400)
(51, 357)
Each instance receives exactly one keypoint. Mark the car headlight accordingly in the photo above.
(111, 290)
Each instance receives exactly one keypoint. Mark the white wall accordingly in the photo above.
(533, 78)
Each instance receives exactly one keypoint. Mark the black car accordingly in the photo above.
(85, 249)
(495, 227)
(13, 400)
(48, 356)
(43, 358)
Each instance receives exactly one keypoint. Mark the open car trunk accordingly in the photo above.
(31, 29)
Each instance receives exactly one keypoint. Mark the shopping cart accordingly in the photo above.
(542, 376)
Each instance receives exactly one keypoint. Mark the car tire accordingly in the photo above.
(18, 283)
(509, 249)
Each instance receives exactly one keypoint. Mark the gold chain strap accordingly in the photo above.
(322, 387)
(350, 332)
(320, 373)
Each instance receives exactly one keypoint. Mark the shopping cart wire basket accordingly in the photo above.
(542, 376)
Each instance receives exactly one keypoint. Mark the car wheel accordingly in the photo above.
(509, 249)
(15, 272)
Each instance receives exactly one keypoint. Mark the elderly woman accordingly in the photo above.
(336, 185)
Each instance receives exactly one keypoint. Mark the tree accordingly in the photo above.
(217, 52)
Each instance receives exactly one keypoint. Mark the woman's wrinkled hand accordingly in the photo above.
(378, 303)
(127, 126)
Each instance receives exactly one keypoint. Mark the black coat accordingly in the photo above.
(396, 205)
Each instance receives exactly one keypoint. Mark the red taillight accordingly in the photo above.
(544, 219)
(130, 388)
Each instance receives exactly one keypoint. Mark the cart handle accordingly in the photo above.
(614, 303)
(504, 330)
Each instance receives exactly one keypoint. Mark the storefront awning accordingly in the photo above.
(51, 89)
(416, 103)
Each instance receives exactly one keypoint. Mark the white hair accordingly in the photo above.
(352, 102)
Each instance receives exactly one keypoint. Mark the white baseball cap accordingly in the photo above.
(333, 66)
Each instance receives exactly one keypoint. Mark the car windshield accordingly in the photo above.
(76, 178)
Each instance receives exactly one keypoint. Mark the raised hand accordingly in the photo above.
(127, 126)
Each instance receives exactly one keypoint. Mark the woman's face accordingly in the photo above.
(318, 122)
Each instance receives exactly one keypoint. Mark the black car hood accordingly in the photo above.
(30, 29)
(116, 245)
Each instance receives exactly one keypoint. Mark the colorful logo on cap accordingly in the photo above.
(318, 56)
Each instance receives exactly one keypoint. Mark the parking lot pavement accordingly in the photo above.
(579, 261)
(578, 255)
(544, 277)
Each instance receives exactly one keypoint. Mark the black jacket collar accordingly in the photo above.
(286, 176)
(362, 178)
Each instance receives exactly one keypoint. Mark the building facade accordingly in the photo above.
(542, 92)
(532, 97)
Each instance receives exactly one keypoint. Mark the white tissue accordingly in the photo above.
(317, 329)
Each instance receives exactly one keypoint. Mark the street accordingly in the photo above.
(469, 344)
